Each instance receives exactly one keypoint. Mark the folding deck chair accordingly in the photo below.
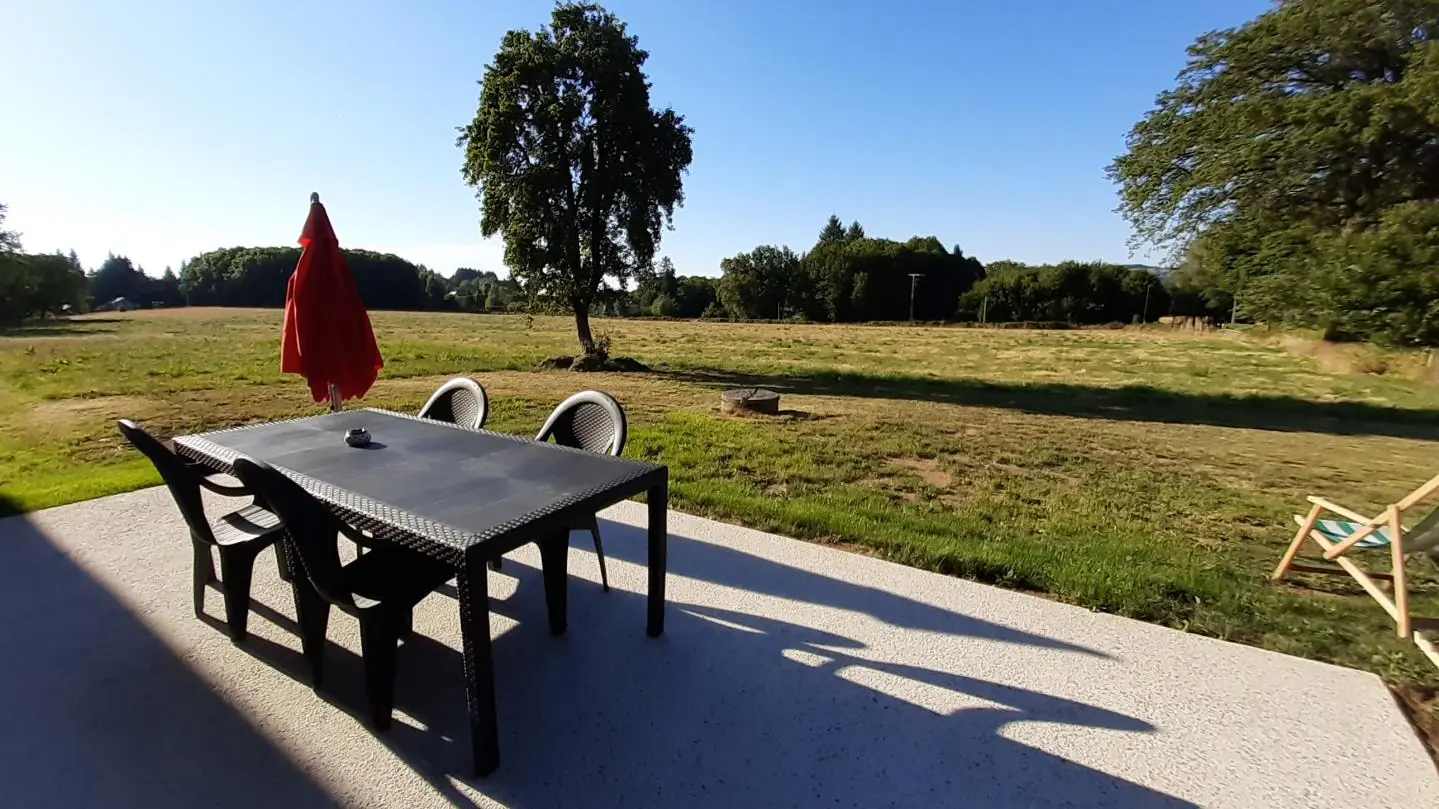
(1338, 537)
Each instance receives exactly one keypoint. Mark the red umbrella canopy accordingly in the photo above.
(328, 338)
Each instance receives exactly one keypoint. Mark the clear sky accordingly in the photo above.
(162, 128)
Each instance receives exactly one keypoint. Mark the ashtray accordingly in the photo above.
(357, 437)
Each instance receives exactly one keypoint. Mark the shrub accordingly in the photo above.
(664, 306)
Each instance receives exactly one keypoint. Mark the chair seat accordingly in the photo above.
(1340, 530)
(249, 523)
(394, 575)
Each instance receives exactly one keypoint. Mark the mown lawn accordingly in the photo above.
(1147, 474)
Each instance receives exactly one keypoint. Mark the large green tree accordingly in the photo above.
(1315, 119)
(1317, 110)
(573, 167)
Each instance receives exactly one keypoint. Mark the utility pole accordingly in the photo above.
(913, 282)
(1145, 318)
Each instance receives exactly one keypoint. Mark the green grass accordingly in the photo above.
(1144, 473)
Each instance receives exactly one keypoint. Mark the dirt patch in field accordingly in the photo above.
(927, 469)
(67, 412)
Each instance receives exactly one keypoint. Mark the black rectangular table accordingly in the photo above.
(461, 496)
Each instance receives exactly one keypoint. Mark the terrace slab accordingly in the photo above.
(790, 674)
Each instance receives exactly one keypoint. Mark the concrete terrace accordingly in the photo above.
(789, 675)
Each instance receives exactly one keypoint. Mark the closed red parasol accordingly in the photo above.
(328, 338)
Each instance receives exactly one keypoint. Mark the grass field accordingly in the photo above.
(1150, 474)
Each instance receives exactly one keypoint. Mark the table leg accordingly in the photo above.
(658, 499)
(473, 586)
(554, 567)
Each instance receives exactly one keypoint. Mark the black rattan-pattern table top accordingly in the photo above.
(428, 482)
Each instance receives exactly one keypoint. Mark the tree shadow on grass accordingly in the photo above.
(100, 712)
(58, 328)
(1129, 403)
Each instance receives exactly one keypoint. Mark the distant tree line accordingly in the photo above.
(43, 285)
(36, 285)
(1068, 292)
(845, 277)
(659, 292)
(257, 276)
(470, 290)
(848, 276)
(39, 285)
(119, 279)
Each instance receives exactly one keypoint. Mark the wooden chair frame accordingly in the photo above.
(1391, 518)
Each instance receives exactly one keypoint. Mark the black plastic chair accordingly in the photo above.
(380, 588)
(459, 401)
(594, 422)
(239, 536)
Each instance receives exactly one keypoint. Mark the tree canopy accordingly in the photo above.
(573, 167)
(1288, 147)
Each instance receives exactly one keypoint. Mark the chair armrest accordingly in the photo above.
(1340, 510)
(221, 489)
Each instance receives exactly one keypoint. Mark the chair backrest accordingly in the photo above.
(459, 401)
(313, 529)
(180, 479)
(1424, 536)
(589, 420)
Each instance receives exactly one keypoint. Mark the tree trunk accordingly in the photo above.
(582, 329)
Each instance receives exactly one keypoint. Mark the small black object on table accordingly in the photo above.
(357, 437)
(461, 496)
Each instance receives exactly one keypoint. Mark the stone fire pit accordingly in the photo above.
(740, 401)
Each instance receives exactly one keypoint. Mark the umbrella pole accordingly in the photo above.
(335, 405)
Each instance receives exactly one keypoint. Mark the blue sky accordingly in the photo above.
(163, 128)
